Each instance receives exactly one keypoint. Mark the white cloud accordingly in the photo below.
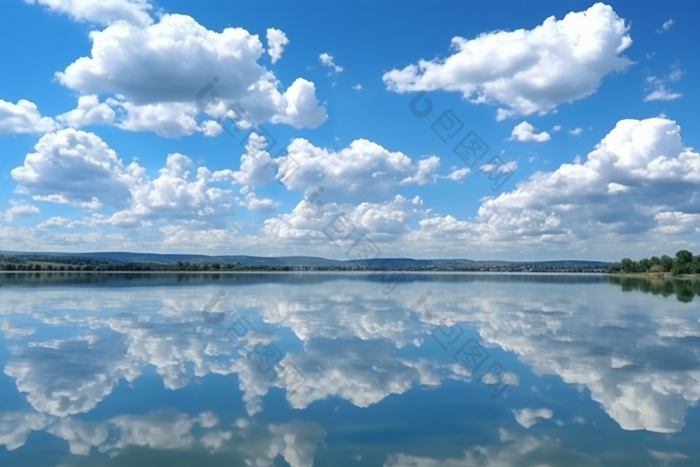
(665, 26)
(211, 128)
(23, 117)
(327, 60)
(507, 167)
(276, 42)
(90, 111)
(20, 209)
(525, 132)
(576, 131)
(357, 87)
(102, 12)
(527, 71)
(662, 94)
(642, 158)
(660, 91)
(253, 203)
(165, 64)
(362, 171)
(556, 128)
(165, 119)
(528, 416)
(299, 107)
(457, 174)
(75, 167)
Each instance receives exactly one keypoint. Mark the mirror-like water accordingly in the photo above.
(328, 370)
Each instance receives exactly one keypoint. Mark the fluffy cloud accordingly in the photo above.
(276, 42)
(170, 63)
(75, 167)
(363, 170)
(164, 119)
(525, 132)
(639, 179)
(253, 203)
(90, 111)
(23, 117)
(527, 71)
(103, 12)
(327, 60)
(457, 174)
(620, 188)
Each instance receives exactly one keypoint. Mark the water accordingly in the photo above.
(328, 370)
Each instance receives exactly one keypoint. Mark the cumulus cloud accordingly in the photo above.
(23, 117)
(102, 12)
(253, 203)
(90, 111)
(363, 170)
(76, 167)
(527, 71)
(525, 132)
(641, 157)
(164, 119)
(276, 42)
(159, 69)
(327, 60)
(638, 180)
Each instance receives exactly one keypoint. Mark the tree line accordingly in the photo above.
(683, 263)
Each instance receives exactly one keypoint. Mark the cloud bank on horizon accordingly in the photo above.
(181, 132)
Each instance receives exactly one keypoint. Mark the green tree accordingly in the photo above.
(645, 265)
(695, 265)
(682, 262)
(666, 263)
(655, 260)
(627, 265)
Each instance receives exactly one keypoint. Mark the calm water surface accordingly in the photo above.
(327, 370)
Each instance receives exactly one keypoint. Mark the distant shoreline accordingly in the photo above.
(317, 271)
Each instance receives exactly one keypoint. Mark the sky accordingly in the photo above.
(350, 129)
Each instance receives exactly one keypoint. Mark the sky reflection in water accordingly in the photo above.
(124, 370)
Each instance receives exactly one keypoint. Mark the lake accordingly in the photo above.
(324, 369)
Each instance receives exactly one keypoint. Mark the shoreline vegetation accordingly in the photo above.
(683, 265)
(134, 262)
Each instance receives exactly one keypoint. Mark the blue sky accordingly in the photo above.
(586, 107)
